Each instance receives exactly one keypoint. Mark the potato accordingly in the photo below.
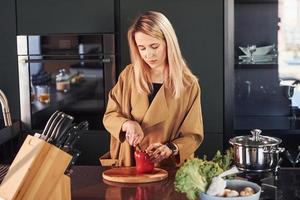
(249, 189)
(244, 193)
(232, 193)
(223, 194)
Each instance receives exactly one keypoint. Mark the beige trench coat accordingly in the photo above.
(166, 120)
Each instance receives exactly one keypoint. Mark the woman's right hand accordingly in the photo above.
(134, 132)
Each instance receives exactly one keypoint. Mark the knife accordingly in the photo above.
(69, 143)
(65, 125)
(57, 125)
(83, 125)
(76, 153)
(52, 125)
(42, 135)
(68, 147)
(63, 136)
(62, 140)
(70, 140)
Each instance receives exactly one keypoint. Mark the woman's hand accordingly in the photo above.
(158, 152)
(134, 132)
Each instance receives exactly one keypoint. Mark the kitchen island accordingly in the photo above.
(87, 184)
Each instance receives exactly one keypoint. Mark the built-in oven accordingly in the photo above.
(68, 72)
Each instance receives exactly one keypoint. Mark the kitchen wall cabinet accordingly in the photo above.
(68, 16)
(264, 90)
(9, 83)
(199, 28)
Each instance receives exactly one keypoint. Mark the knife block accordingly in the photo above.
(37, 172)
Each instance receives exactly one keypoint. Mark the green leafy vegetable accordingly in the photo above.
(224, 161)
(196, 174)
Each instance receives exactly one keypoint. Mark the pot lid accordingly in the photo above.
(255, 140)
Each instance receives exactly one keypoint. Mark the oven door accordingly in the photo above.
(90, 77)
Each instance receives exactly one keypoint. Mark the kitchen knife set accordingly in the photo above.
(63, 133)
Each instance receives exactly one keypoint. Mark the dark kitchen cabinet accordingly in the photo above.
(262, 72)
(9, 83)
(92, 145)
(68, 16)
(199, 28)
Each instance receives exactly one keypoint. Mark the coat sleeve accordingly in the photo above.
(191, 130)
(114, 117)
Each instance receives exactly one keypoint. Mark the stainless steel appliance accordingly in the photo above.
(256, 153)
(88, 60)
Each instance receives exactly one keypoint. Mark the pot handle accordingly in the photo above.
(256, 134)
(274, 150)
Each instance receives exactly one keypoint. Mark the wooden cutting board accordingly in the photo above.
(129, 175)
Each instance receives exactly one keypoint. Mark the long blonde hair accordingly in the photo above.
(155, 24)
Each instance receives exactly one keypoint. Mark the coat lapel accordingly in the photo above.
(158, 110)
(140, 106)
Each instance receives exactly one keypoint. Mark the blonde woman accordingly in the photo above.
(155, 104)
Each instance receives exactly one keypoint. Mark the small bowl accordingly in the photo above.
(259, 51)
(236, 185)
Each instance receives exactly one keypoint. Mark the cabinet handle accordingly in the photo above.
(106, 60)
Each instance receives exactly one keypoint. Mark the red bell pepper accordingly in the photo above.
(143, 162)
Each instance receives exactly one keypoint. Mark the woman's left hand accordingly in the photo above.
(158, 152)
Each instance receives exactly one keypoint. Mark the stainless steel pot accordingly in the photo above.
(256, 153)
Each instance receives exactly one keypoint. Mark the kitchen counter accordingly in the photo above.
(87, 183)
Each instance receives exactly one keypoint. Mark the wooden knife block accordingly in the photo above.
(37, 172)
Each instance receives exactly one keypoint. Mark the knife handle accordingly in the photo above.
(76, 153)
(52, 134)
(84, 125)
(60, 144)
(69, 147)
(71, 136)
(63, 127)
(52, 125)
(49, 122)
(62, 138)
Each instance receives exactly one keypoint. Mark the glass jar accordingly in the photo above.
(62, 81)
(43, 93)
